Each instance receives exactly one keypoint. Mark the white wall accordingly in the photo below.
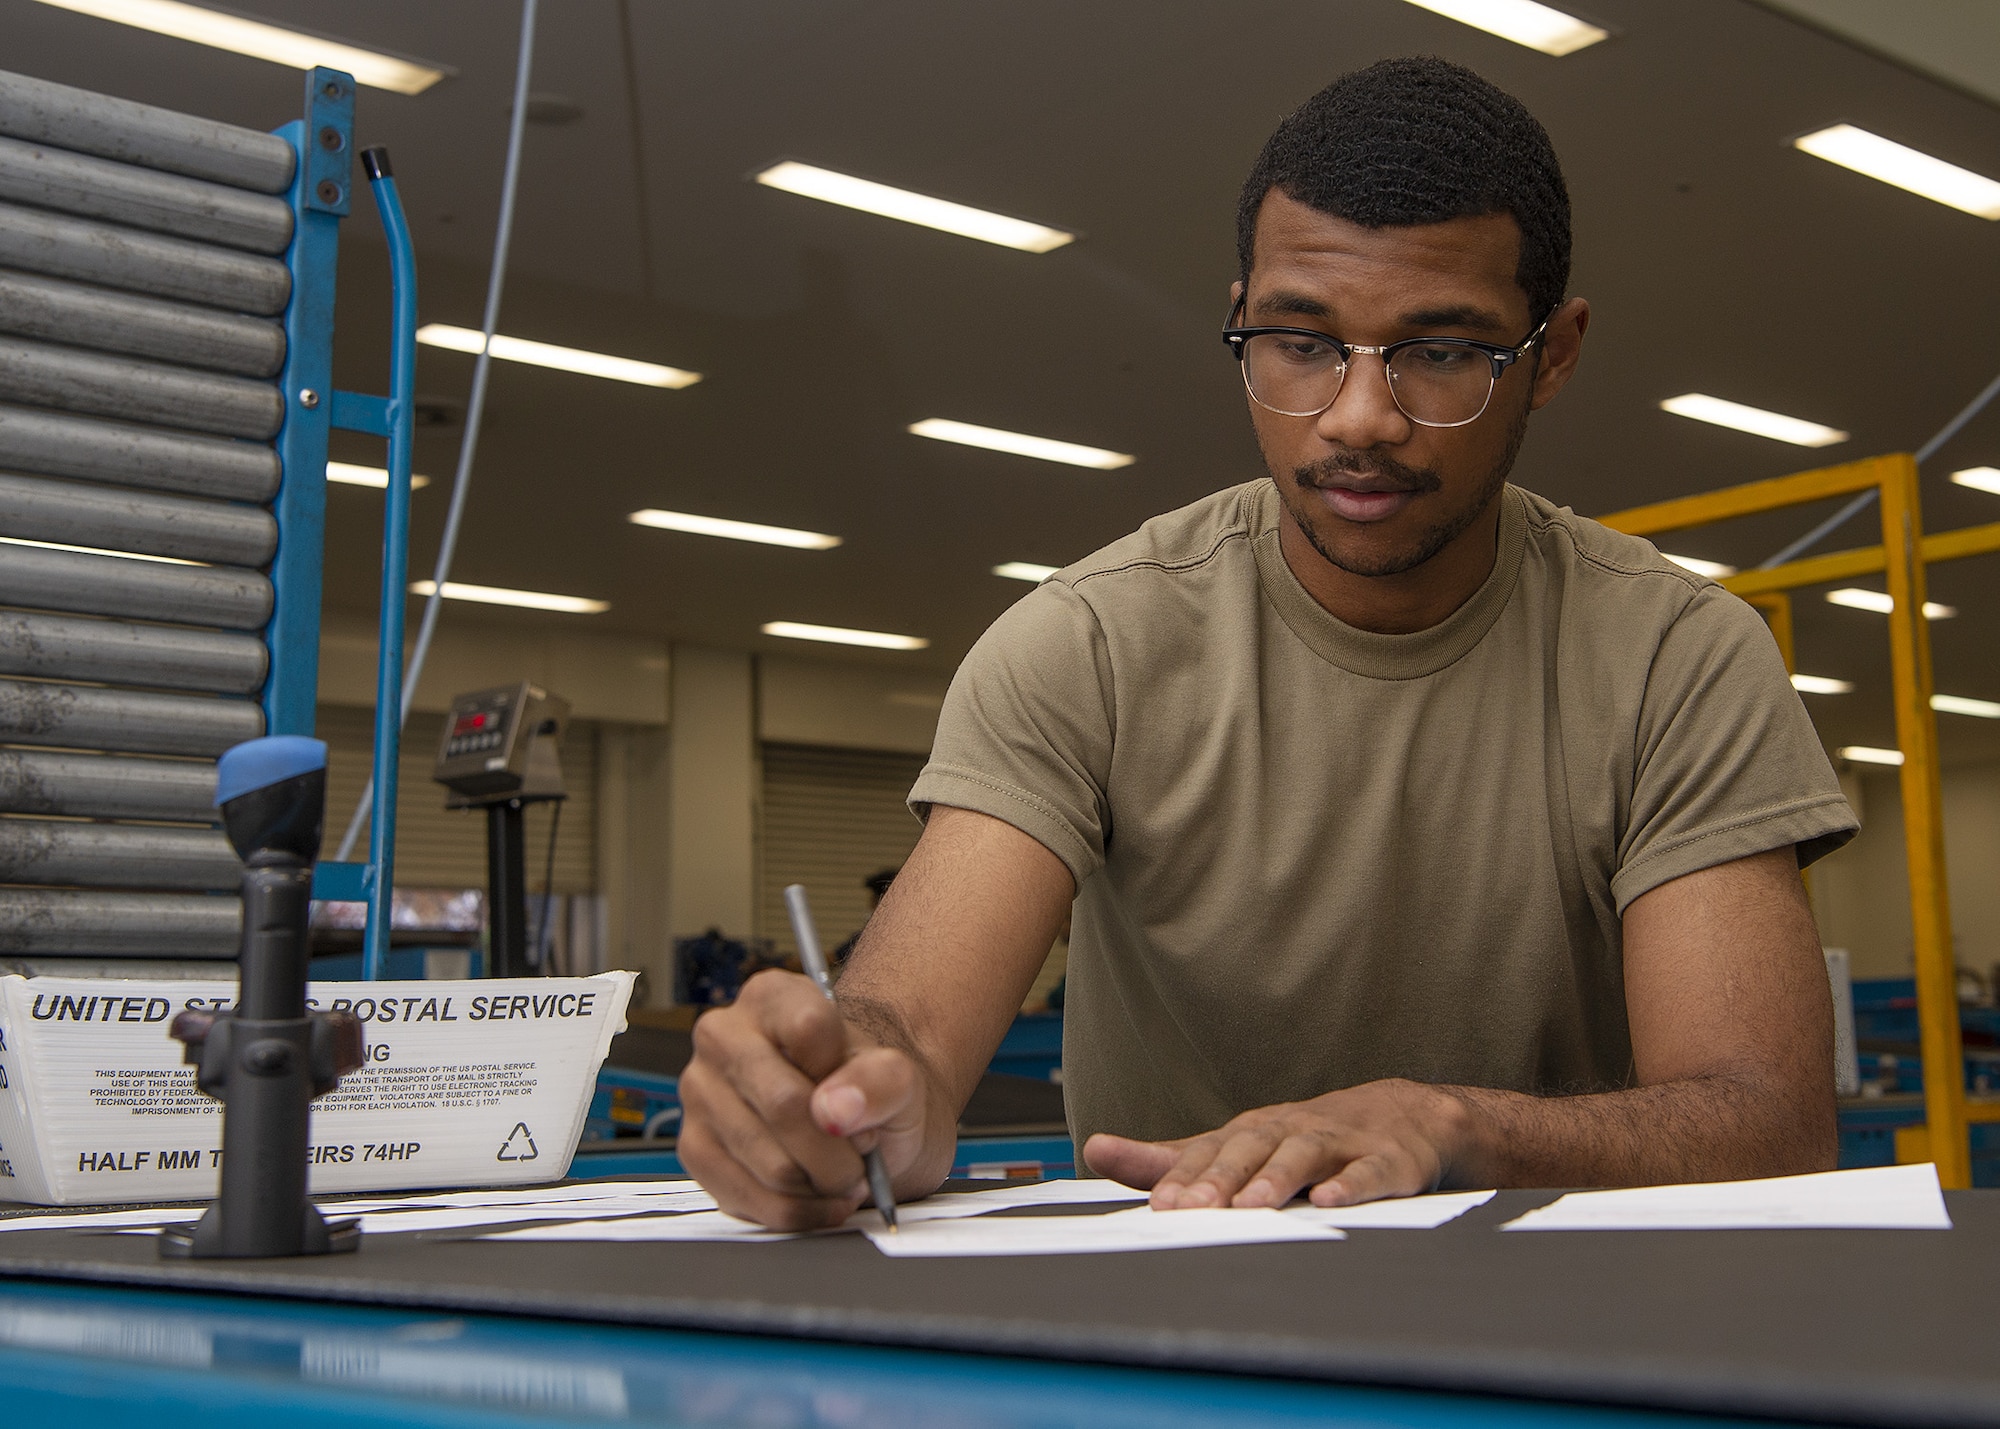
(712, 807)
(603, 676)
(847, 706)
(1861, 894)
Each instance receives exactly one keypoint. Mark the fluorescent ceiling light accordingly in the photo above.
(1020, 444)
(1959, 704)
(1539, 27)
(835, 635)
(242, 35)
(1025, 571)
(1979, 478)
(869, 197)
(565, 359)
(529, 599)
(1754, 420)
(733, 530)
(1863, 754)
(1714, 570)
(1882, 603)
(1821, 685)
(1906, 168)
(98, 551)
(348, 474)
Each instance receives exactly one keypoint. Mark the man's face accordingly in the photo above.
(1373, 492)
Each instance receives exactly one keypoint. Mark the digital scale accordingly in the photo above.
(499, 753)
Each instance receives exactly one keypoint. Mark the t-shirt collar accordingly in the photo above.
(1387, 657)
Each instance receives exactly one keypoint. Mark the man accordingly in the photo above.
(1420, 833)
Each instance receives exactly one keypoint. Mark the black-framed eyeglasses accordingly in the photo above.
(1435, 381)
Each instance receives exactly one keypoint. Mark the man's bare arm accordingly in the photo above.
(784, 1086)
(1732, 1045)
(942, 967)
(1732, 1035)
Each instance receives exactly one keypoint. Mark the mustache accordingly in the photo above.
(1380, 473)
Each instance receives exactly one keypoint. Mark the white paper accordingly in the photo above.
(718, 1225)
(446, 1218)
(1875, 1198)
(697, 1225)
(102, 1220)
(675, 1195)
(1409, 1213)
(1041, 1193)
(1141, 1228)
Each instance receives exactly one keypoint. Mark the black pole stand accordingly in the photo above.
(507, 889)
(268, 1057)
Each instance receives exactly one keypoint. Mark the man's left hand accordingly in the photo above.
(1392, 1138)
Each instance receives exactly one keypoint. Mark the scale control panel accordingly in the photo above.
(501, 744)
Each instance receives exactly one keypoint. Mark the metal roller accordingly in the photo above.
(76, 514)
(79, 514)
(138, 721)
(45, 375)
(141, 262)
(84, 316)
(50, 851)
(58, 444)
(228, 597)
(132, 925)
(106, 786)
(141, 134)
(67, 647)
(143, 198)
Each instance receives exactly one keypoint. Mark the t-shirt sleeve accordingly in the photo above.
(1025, 733)
(1727, 762)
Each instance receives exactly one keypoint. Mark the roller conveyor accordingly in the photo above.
(166, 291)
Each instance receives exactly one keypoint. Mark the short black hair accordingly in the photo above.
(1416, 141)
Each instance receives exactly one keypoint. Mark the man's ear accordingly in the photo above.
(1235, 294)
(1561, 349)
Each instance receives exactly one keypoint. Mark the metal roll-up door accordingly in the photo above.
(141, 282)
(831, 817)
(438, 847)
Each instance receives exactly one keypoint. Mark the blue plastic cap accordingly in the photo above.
(259, 763)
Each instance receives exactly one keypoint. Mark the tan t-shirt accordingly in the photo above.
(1309, 856)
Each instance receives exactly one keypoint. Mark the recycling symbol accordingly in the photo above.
(520, 1145)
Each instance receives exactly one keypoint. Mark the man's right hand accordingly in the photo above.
(783, 1097)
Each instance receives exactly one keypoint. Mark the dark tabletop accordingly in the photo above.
(1867, 1327)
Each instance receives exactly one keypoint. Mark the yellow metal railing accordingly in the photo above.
(1901, 557)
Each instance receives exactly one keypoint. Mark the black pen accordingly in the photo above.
(814, 962)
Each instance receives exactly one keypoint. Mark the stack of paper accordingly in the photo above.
(1411, 1213)
(950, 1223)
(1141, 1228)
(453, 1210)
(1876, 1198)
(958, 1223)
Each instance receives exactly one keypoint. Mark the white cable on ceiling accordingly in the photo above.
(462, 479)
(1860, 503)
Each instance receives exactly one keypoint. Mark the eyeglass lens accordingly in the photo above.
(1439, 385)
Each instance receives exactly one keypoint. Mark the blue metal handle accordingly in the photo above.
(395, 559)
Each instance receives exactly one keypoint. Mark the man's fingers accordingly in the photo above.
(1299, 1160)
(1212, 1170)
(795, 1017)
(739, 1193)
(791, 1161)
(1367, 1178)
(875, 1090)
(757, 1094)
(1139, 1164)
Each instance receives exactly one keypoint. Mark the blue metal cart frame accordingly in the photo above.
(320, 198)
